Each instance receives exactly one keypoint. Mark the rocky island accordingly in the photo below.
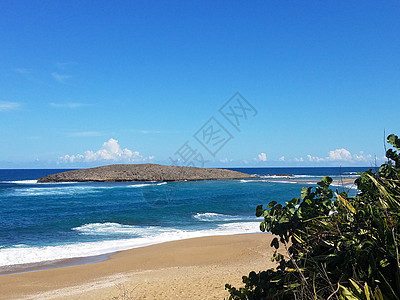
(142, 172)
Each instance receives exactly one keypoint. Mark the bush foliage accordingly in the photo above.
(334, 246)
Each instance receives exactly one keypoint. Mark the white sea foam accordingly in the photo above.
(351, 173)
(22, 255)
(276, 176)
(34, 181)
(291, 181)
(351, 176)
(44, 189)
(21, 181)
(213, 217)
(61, 190)
(253, 180)
(115, 228)
(286, 176)
(351, 186)
(146, 184)
(268, 180)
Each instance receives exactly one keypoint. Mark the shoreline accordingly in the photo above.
(54, 264)
(56, 256)
(176, 266)
(84, 260)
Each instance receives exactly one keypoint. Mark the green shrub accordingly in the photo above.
(335, 246)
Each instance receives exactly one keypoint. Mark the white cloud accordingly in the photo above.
(66, 105)
(282, 158)
(364, 157)
(314, 158)
(298, 159)
(62, 78)
(262, 156)
(4, 105)
(110, 151)
(341, 155)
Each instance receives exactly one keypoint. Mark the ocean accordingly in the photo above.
(41, 223)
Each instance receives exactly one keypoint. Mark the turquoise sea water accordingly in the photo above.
(45, 222)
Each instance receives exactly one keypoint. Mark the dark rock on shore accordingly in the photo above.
(143, 172)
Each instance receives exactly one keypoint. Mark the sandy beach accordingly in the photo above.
(194, 268)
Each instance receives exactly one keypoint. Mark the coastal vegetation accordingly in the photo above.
(332, 246)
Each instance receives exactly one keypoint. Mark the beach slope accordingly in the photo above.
(186, 269)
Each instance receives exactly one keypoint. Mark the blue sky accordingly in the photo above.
(86, 83)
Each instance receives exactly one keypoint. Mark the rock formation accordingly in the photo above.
(142, 172)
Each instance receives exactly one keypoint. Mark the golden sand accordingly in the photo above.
(187, 269)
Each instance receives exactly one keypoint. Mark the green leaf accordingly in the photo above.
(275, 243)
(259, 211)
(292, 285)
(378, 294)
(292, 210)
(394, 141)
(355, 286)
(324, 183)
(262, 226)
(348, 294)
(346, 203)
(305, 192)
(294, 201)
(384, 262)
(367, 292)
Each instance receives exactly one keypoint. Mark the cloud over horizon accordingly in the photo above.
(5, 105)
(110, 151)
(262, 156)
(341, 155)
